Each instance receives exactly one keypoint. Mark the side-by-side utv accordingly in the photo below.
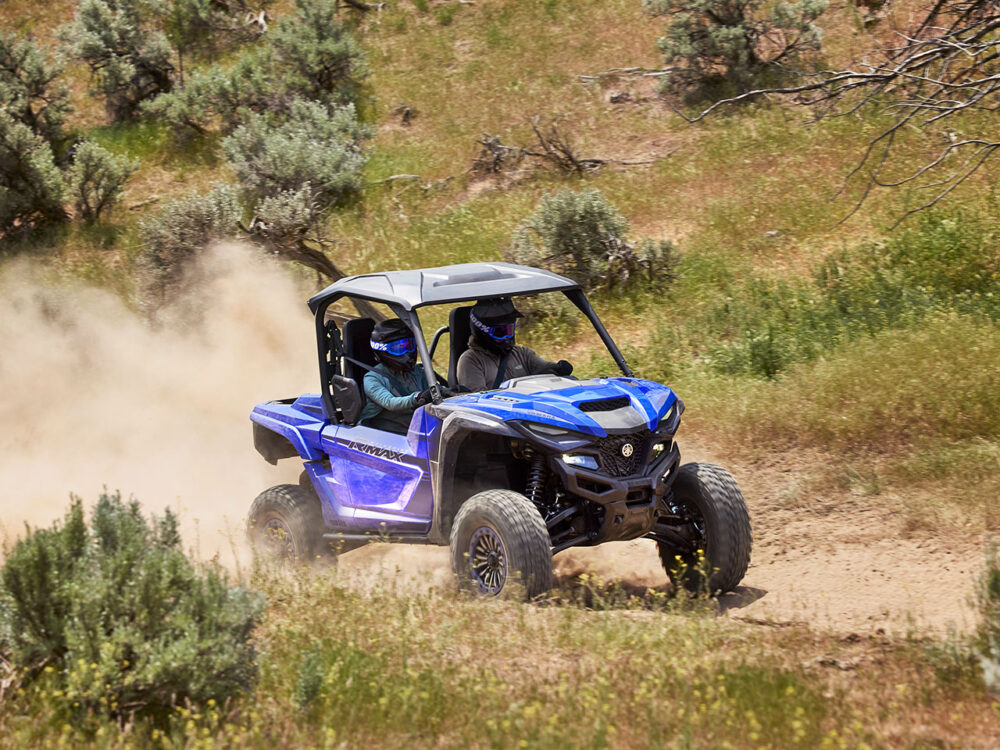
(507, 477)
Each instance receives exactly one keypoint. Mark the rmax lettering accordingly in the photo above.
(374, 450)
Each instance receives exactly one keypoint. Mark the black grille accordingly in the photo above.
(616, 463)
(605, 404)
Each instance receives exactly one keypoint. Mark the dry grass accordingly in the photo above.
(432, 669)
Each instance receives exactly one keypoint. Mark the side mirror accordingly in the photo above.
(347, 398)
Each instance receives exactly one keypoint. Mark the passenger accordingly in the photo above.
(492, 345)
(396, 386)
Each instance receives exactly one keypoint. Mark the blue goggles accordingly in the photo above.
(500, 333)
(396, 348)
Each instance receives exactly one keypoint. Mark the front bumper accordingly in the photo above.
(629, 503)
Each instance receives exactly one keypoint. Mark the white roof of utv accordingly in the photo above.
(431, 286)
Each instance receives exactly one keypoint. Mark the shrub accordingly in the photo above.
(315, 146)
(222, 99)
(988, 634)
(190, 106)
(129, 625)
(97, 179)
(31, 187)
(204, 24)
(128, 56)
(733, 42)
(584, 236)
(29, 88)
(181, 230)
(289, 215)
(311, 56)
(320, 59)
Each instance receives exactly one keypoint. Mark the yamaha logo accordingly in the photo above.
(627, 450)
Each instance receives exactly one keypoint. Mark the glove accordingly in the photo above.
(563, 368)
(424, 397)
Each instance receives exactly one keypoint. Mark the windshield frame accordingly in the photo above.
(412, 319)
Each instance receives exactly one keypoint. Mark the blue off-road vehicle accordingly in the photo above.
(507, 477)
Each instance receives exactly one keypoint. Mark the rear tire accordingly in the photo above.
(286, 523)
(500, 546)
(721, 530)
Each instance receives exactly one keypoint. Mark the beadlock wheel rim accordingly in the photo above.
(487, 561)
(277, 538)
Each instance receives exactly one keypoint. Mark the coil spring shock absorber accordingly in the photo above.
(537, 474)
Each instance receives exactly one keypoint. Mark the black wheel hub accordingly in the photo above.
(688, 524)
(487, 561)
(277, 538)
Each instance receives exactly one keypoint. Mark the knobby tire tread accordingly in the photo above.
(525, 536)
(299, 506)
(733, 521)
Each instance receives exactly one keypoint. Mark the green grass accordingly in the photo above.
(771, 285)
(899, 388)
(430, 668)
(434, 669)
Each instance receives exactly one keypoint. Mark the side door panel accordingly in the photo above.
(381, 479)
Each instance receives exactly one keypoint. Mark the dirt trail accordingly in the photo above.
(845, 562)
(842, 566)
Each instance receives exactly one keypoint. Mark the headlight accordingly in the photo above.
(584, 462)
(665, 421)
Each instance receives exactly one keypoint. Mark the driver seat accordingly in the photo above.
(356, 335)
(459, 330)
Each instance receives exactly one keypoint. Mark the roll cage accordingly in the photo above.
(404, 292)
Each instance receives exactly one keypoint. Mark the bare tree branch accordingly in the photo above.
(295, 246)
(948, 64)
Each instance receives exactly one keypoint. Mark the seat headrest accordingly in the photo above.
(459, 330)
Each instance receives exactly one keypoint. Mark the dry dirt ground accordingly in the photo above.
(841, 566)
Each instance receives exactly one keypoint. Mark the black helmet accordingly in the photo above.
(494, 322)
(393, 344)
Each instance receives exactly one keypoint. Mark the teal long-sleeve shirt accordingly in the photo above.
(391, 397)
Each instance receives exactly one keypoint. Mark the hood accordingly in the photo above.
(598, 407)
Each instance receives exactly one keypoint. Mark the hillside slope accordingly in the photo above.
(846, 371)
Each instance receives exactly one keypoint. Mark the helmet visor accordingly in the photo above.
(396, 348)
(506, 331)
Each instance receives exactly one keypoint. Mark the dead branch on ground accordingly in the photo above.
(557, 149)
(553, 147)
(634, 72)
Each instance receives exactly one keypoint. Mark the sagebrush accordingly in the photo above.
(584, 236)
(117, 619)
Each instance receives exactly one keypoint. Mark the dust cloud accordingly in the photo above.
(93, 397)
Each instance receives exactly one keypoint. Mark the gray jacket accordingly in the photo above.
(477, 367)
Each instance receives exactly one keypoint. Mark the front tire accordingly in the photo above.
(286, 523)
(719, 527)
(500, 545)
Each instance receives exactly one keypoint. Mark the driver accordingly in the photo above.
(492, 356)
(395, 387)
